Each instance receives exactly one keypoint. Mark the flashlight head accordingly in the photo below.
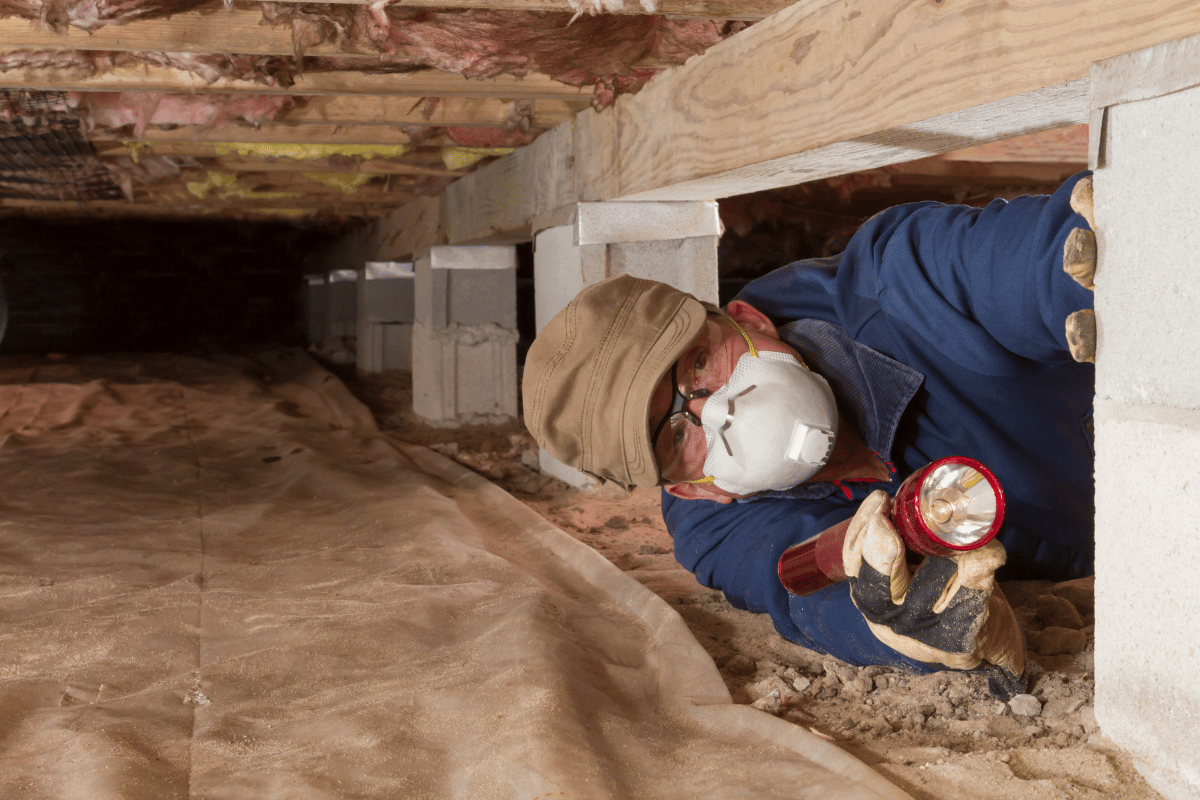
(953, 504)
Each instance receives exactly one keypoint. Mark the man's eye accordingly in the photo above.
(678, 437)
(698, 367)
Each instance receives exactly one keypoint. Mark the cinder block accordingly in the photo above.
(609, 223)
(464, 374)
(386, 291)
(316, 308)
(1148, 214)
(480, 296)
(687, 264)
(561, 269)
(1147, 595)
(429, 287)
(343, 302)
(395, 345)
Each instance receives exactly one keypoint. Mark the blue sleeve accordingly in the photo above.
(736, 548)
(993, 276)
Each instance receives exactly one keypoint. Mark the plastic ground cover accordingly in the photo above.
(219, 580)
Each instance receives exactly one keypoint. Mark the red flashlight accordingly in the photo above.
(948, 506)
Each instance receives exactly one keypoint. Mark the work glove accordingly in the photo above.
(949, 611)
(1079, 261)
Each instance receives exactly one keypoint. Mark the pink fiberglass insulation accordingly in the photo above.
(492, 137)
(92, 14)
(601, 51)
(277, 71)
(614, 54)
(140, 109)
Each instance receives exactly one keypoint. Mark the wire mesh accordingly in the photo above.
(44, 154)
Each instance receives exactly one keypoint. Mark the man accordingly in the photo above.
(941, 330)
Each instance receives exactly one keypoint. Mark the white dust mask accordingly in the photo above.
(771, 426)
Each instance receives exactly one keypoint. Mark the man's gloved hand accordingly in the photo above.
(1079, 261)
(949, 611)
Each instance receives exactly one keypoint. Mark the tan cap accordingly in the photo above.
(590, 374)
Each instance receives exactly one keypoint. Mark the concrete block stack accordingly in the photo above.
(385, 315)
(464, 335)
(1148, 409)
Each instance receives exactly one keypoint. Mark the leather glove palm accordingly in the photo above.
(949, 611)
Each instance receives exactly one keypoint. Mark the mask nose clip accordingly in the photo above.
(729, 418)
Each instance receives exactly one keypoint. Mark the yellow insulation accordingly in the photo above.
(463, 157)
(348, 182)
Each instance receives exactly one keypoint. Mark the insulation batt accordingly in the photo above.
(599, 50)
(92, 14)
(278, 71)
(111, 110)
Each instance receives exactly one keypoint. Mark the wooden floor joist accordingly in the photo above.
(346, 135)
(458, 111)
(422, 83)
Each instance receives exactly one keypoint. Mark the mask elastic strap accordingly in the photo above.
(746, 336)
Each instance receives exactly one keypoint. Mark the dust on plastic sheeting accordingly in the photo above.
(220, 580)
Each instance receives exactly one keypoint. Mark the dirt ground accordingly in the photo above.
(938, 737)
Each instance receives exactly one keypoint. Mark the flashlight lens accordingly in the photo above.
(958, 504)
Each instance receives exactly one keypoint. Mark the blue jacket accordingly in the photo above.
(941, 330)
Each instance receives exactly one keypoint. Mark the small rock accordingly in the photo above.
(1087, 716)
(843, 672)
(530, 459)
(1081, 592)
(1057, 612)
(882, 682)
(618, 523)
(1058, 641)
(650, 550)
(801, 683)
(1025, 705)
(862, 684)
(741, 665)
(769, 703)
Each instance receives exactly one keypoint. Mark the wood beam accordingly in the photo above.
(885, 77)
(685, 9)
(457, 111)
(423, 83)
(268, 132)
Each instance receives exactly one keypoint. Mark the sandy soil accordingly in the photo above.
(939, 737)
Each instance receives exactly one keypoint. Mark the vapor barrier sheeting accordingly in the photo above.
(219, 580)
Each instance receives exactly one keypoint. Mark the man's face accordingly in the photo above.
(681, 448)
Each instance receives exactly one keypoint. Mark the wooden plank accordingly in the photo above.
(818, 74)
(685, 9)
(458, 111)
(235, 31)
(424, 83)
(268, 132)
